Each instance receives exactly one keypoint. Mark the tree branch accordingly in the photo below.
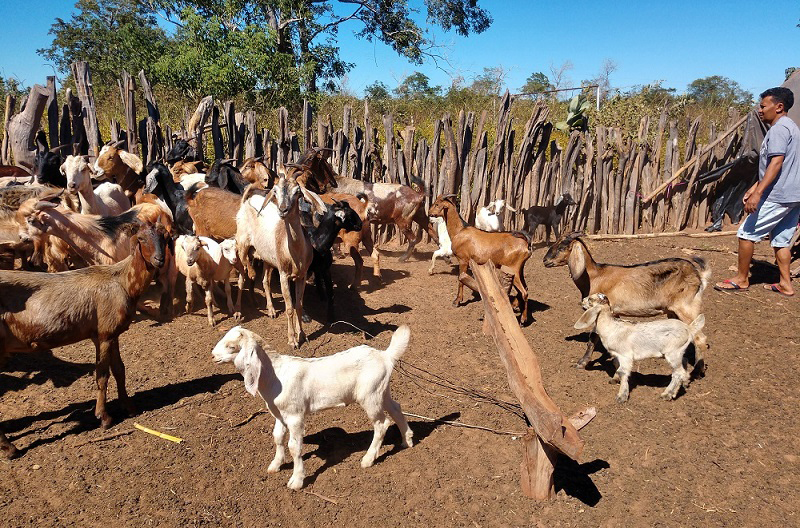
(334, 23)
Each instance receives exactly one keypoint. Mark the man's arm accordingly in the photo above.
(753, 196)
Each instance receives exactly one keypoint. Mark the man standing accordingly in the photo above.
(773, 203)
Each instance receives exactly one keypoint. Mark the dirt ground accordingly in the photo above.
(725, 453)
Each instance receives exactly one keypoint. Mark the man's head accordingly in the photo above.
(775, 102)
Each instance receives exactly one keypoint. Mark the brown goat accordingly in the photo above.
(351, 240)
(255, 171)
(121, 166)
(213, 211)
(182, 167)
(507, 251)
(40, 311)
(673, 286)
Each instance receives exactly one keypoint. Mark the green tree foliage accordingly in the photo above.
(537, 82)
(715, 90)
(111, 35)
(377, 91)
(417, 86)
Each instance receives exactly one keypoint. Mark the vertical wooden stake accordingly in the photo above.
(537, 467)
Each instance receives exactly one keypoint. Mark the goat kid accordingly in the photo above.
(491, 217)
(628, 342)
(549, 215)
(293, 387)
(445, 245)
(107, 199)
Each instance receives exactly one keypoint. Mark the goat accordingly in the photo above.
(225, 175)
(103, 240)
(182, 168)
(159, 182)
(490, 218)
(445, 246)
(673, 286)
(338, 217)
(203, 261)
(627, 342)
(121, 166)
(351, 240)
(507, 251)
(40, 311)
(213, 211)
(254, 170)
(47, 163)
(105, 200)
(550, 216)
(293, 387)
(182, 150)
(270, 224)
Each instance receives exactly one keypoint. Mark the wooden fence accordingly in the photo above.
(609, 172)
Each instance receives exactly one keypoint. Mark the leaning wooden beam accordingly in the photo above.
(23, 126)
(689, 163)
(660, 235)
(551, 431)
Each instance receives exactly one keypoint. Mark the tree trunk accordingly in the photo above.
(23, 127)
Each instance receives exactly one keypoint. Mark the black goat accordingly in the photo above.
(182, 150)
(159, 182)
(338, 216)
(47, 164)
(550, 216)
(225, 175)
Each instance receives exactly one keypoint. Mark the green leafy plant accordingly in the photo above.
(577, 117)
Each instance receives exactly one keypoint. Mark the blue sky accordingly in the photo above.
(675, 42)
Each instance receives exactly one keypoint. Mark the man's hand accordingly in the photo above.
(751, 200)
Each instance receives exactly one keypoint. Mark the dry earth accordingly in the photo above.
(726, 452)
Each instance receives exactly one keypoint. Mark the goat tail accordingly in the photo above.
(192, 191)
(524, 235)
(697, 325)
(399, 343)
(704, 270)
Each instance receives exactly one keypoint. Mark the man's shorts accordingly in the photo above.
(779, 221)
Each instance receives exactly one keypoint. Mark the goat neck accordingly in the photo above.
(323, 236)
(453, 220)
(137, 272)
(81, 233)
(582, 267)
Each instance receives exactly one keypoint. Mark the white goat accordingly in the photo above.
(445, 248)
(628, 342)
(105, 200)
(203, 261)
(490, 218)
(293, 387)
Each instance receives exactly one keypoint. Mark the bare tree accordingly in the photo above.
(559, 77)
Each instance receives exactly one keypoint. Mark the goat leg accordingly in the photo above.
(358, 262)
(118, 370)
(102, 365)
(590, 346)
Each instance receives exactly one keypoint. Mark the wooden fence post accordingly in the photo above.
(83, 82)
(23, 126)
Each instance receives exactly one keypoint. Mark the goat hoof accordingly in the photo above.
(237, 316)
(105, 420)
(272, 314)
(668, 396)
(581, 365)
(295, 483)
(614, 381)
(274, 466)
(367, 461)
(306, 319)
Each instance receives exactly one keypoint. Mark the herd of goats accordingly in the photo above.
(91, 235)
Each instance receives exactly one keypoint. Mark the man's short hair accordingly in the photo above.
(780, 95)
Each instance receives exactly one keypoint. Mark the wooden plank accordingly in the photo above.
(5, 153)
(83, 81)
(52, 111)
(127, 90)
(197, 123)
(308, 119)
(251, 134)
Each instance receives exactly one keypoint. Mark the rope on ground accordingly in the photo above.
(465, 425)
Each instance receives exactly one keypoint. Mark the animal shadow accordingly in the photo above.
(81, 415)
(574, 478)
(334, 444)
(41, 367)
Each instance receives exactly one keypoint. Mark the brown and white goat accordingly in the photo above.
(507, 251)
(672, 286)
(269, 223)
(40, 311)
(256, 171)
(351, 240)
(121, 166)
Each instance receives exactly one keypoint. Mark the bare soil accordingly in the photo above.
(726, 452)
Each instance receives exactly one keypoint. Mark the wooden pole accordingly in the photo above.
(11, 103)
(83, 82)
(690, 163)
(551, 431)
(23, 126)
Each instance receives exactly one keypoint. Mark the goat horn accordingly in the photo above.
(58, 148)
(118, 144)
(229, 160)
(510, 208)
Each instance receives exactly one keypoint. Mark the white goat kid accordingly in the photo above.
(628, 342)
(203, 261)
(445, 248)
(293, 387)
(490, 218)
(105, 200)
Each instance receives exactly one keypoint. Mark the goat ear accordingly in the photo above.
(588, 318)
(131, 160)
(249, 363)
(62, 170)
(313, 198)
(222, 179)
